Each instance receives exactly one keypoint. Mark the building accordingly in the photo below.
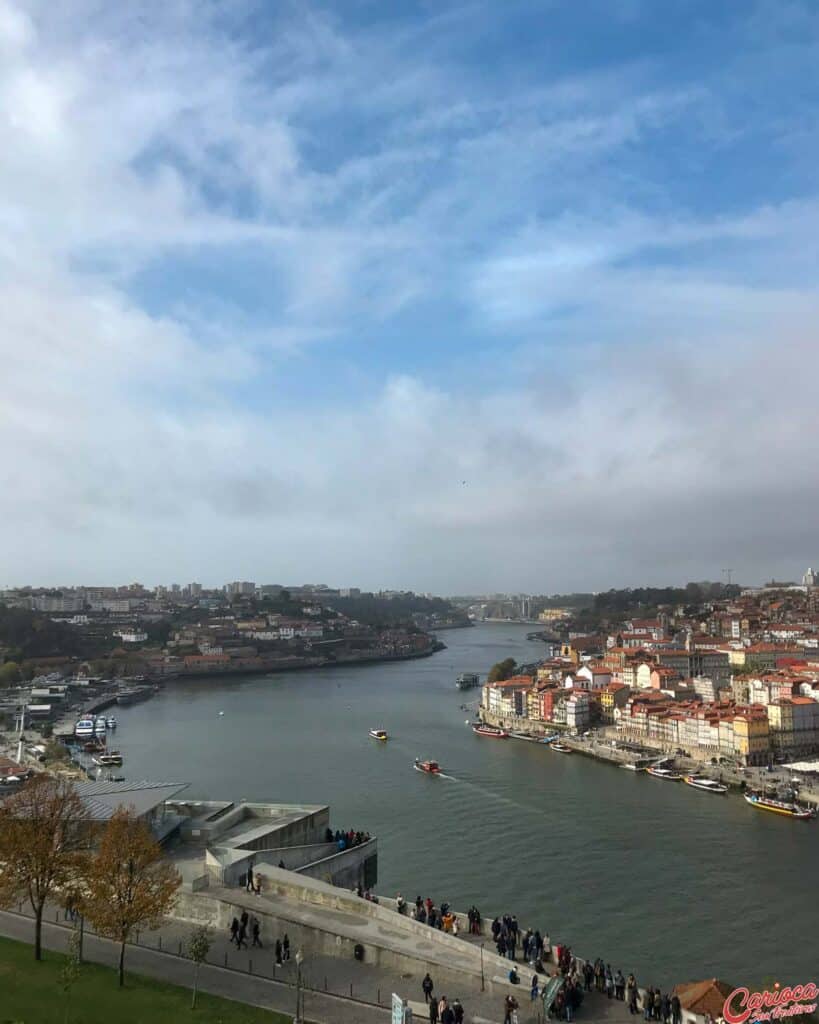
(612, 696)
(809, 579)
(240, 588)
(507, 697)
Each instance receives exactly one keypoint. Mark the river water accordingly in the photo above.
(656, 878)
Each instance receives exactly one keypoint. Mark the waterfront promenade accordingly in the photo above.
(342, 991)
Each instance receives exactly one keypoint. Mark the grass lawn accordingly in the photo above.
(31, 993)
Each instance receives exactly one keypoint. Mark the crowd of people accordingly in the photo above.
(443, 917)
(345, 840)
(241, 927)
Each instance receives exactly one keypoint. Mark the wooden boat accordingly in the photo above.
(379, 734)
(561, 748)
(785, 807)
(708, 785)
(108, 760)
(430, 767)
(491, 731)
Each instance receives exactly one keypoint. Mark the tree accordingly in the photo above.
(129, 883)
(501, 670)
(9, 673)
(70, 971)
(44, 838)
(198, 949)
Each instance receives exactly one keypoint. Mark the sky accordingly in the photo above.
(457, 297)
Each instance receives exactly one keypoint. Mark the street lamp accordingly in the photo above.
(299, 1014)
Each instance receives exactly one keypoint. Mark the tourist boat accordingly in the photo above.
(700, 782)
(561, 748)
(661, 772)
(379, 734)
(108, 760)
(491, 731)
(134, 695)
(111, 722)
(468, 680)
(430, 767)
(786, 807)
(85, 727)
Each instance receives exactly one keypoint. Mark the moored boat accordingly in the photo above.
(85, 727)
(430, 767)
(785, 807)
(111, 722)
(708, 785)
(108, 760)
(660, 772)
(379, 734)
(467, 680)
(634, 766)
(491, 731)
(561, 748)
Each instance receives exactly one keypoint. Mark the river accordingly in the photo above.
(656, 878)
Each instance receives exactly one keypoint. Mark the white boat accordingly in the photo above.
(111, 722)
(85, 727)
(701, 782)
(100, 726)
(379, 734)
(561, 748)
(634, 766)
(660, 772)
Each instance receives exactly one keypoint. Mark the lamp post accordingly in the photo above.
(299, 1016)
(482, 981)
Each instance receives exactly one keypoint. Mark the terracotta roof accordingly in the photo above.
(704, 996)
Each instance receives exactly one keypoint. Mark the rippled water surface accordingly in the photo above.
(653, 876)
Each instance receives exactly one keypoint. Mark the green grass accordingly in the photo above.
(32, 993)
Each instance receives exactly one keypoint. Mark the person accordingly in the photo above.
(278, 952)
(619, 985)
(258, 888)
(657, 1004)
(442, 1005)
(286, 947)
(241, 935)
(535, 987)
(433, 1012)
(234, 929)
(514, 977)
(609, 981)
(588, 976)
(648, 1003)
(665, 1009)
(448, 1015)
(427, 986)
(249, 877)
(254, 931)
(457, 1011)
(400, 904)
(510, 1005)
(676, 1010)
(281, 865)
(243, 919)
(631, 994)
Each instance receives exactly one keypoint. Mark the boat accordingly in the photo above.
(561, 748)
(93, 746)
(430, 767)
(531, 739)
(701, 782)
(379, 734)
(786, 807)
(100, 726)
(85, 727)
(108, 760)
(111, 722)
(661, 772)
(491, 731)
(135, 694)
(634, 766)
(468, 680)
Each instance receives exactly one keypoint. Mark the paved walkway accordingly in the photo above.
(251, 976)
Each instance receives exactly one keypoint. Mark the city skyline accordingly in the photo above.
(456, 298)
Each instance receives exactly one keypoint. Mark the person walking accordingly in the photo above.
(631, 994)
(254, 931)
(278, 952)
(442, 1005)
(427, 986)
(619, 985)
(535, 987)
(457, 1011)
(448, 1015)
(286, 947)
(510, 1005)
(249, 878)
(676, 1010)
(234, 929)
(433, 1012)
(609, 981)
(241, 936)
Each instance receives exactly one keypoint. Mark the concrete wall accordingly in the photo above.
(349, 868)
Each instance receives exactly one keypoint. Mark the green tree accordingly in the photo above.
(70, 971)
(9, 673)
(502, 670)
(198, 949)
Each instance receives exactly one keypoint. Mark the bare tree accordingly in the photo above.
(44, 838)
(198, 949)
(130, 885)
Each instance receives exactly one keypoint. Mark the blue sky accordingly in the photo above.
(464, 296)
